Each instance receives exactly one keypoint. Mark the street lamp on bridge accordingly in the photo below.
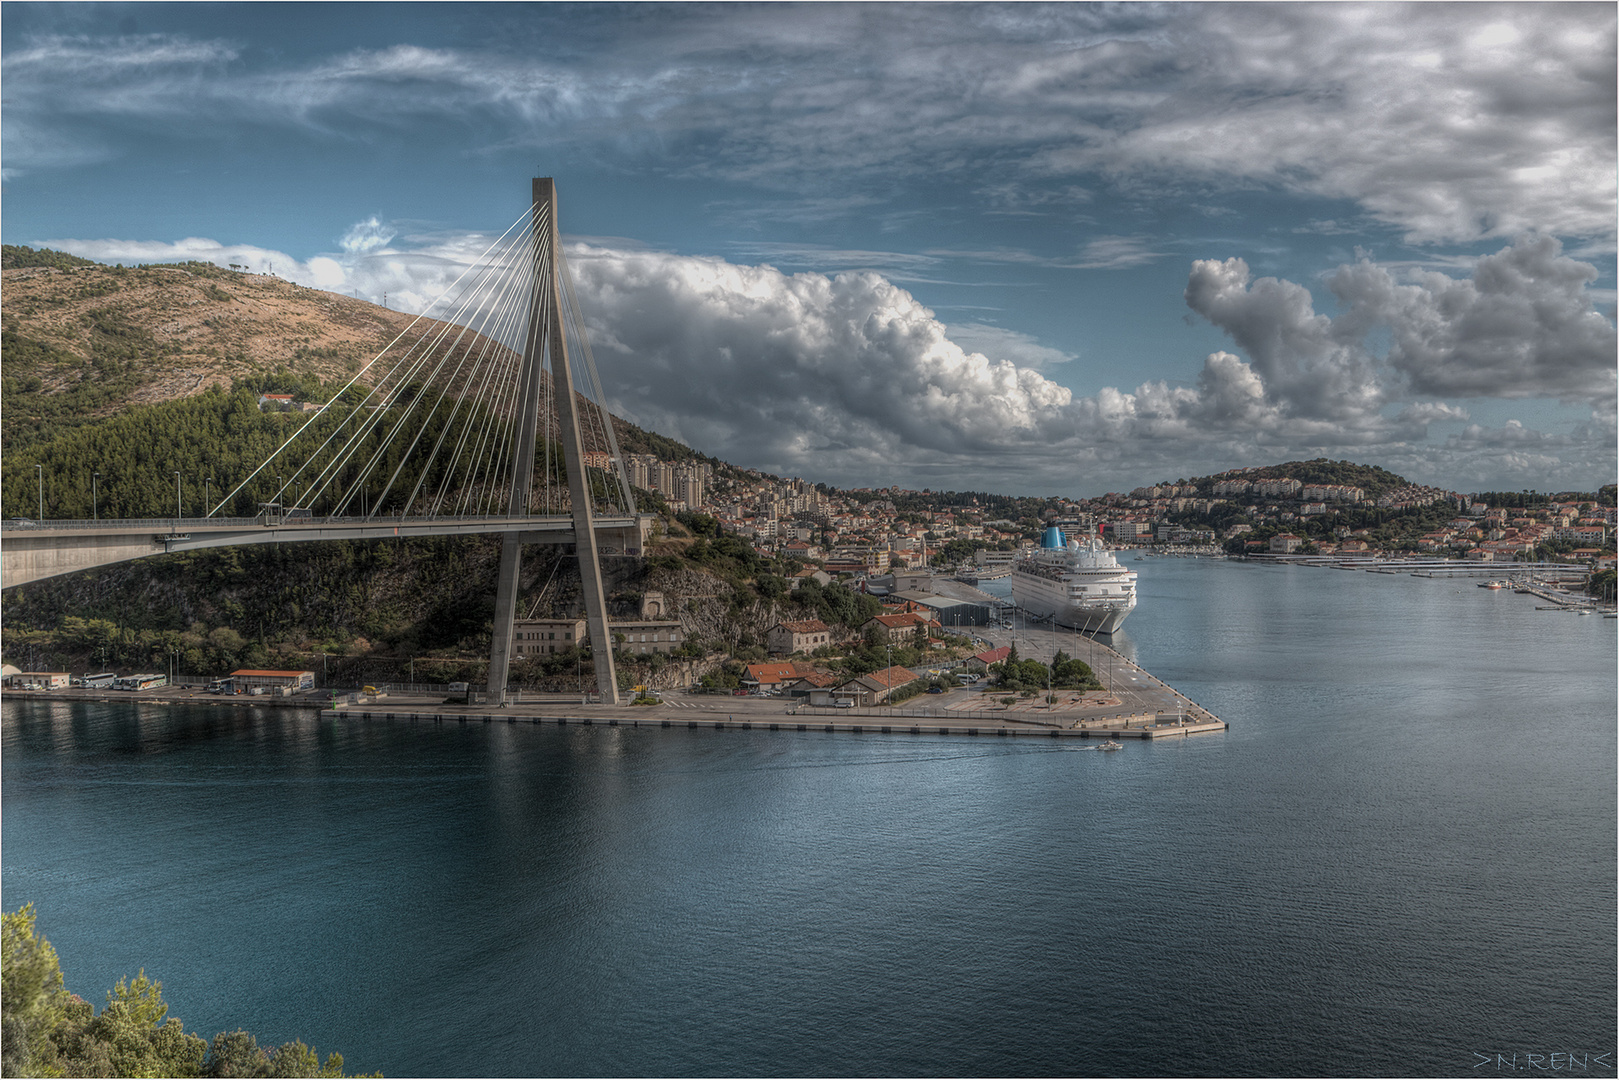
(207, 494)
(179, 510)
(95, 510)
(40, 469)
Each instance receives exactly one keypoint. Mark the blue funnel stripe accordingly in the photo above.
(1053, 538)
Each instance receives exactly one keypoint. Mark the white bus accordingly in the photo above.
(140, 682)
(98, 682)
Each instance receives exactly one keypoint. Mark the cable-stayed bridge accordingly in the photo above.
(486, 415)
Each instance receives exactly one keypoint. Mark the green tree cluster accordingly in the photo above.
(1065, 673)
(13, 257)
(835, 604)
(218, 440)
(46, 1031)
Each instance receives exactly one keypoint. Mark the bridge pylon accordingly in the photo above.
(544, 337)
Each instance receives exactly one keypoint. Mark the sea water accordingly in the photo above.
(1400, 860)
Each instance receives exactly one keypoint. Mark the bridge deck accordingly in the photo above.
(30, 551)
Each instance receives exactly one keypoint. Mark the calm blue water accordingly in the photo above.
(1401, 855)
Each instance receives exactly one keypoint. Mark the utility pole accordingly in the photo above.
(40, 469)
(95, 510)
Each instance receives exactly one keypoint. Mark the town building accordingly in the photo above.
(251, 678)
(775, 676)
(804, 635)
(808, 684)
(546, 637)
(898, 628)
(873, 689)
(37, 680)
(980, 662)
(651, 633)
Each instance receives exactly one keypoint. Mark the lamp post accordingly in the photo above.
(40, 469)
(207, 494)
(95, 509)
(179, 510)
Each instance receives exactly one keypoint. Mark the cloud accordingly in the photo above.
(1100, 253)
(1447, 122)
(1311, 368)
(1522, 326)
(848, 378)
(366, 236)
(1020, 348)
(191, 249)
(407, 277)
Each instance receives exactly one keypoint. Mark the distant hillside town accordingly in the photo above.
(1272, 509)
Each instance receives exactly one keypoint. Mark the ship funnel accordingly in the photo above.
(1053, 538)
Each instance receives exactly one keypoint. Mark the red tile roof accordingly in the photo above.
(805, 626)
(893, 677)
(764, 673)
(895, 622)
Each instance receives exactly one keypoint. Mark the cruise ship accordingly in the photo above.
(1074, 583)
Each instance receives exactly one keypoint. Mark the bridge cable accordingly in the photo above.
(617, 459)
(357, 375)
(491, 349)
(403, 375)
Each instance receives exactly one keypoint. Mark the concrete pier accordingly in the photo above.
(655, 718)
(1134, 705)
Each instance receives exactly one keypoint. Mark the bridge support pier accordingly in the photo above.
(545, 335)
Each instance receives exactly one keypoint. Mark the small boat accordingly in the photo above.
(1492, 584)
(1110, 745)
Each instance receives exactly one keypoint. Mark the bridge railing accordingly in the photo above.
(171, 524)
(125, 523)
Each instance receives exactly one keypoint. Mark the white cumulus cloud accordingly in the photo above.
(848, 378)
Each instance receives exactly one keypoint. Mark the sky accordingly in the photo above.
(1047, 250)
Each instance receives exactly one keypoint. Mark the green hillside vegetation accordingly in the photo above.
(225, 435)
(49, 391)
(48, 1031)
(13, 257)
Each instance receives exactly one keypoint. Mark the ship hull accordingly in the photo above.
(1087, 618)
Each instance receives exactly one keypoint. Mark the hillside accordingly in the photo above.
(1375, 481)
(83, 342)
(87, 346)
